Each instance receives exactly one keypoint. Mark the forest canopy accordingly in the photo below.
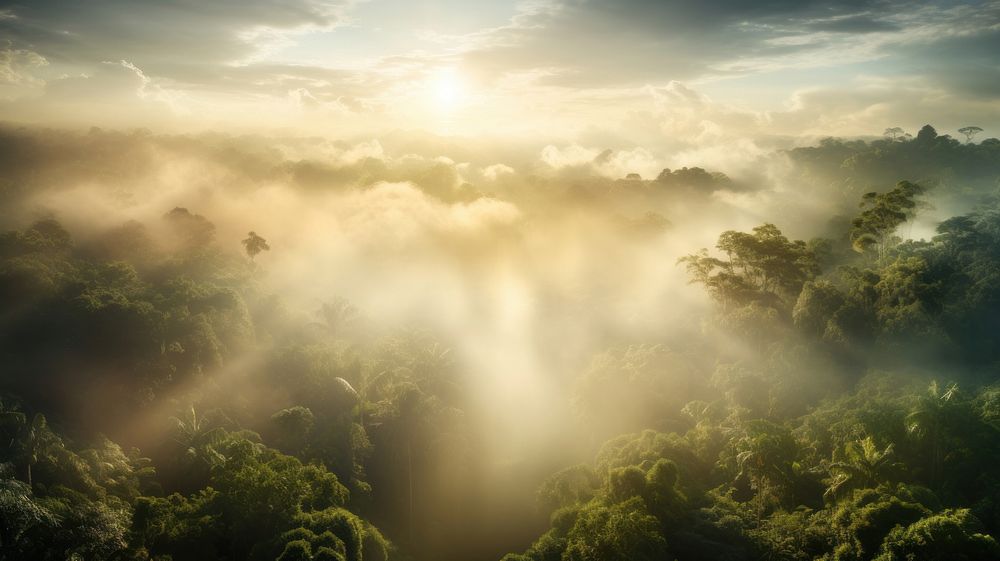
(182, 381)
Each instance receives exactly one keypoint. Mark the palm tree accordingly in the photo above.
(32, 440)
(764, 458)
(198, 438)
(864, 466)
(930, 420)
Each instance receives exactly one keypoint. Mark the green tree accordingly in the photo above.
(930, 422)
(297, 550)
(33, 441)
(863, 465)
(21, 518)
(762, 266)
(881, 215)
(619, 532)
(199, 442)
(764, 457)
(953, 535)
(292, 428)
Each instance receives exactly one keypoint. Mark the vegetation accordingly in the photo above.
(840, 402)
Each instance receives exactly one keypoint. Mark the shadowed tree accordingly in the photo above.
(33, 439)
(20, 516)
(190, 231)
(338, 316)
(864, 465)
(764, 457)
(893, 133)
(254, 244)
(198, 440)
(926, 134)
(970, 132)
(930, 421)
(292, 427)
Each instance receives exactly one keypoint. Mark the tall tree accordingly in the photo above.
(254, 244)
(881, 215)
(930, 421)
(926, 134)
(33, 439)
(893, 133)
(199, 442)
(863, 465)
(759, 266)
(970, 132)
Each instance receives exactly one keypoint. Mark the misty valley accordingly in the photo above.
(223, 347)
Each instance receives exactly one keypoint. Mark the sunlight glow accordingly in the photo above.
(448, 89)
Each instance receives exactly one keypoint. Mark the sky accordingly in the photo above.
(625, 72)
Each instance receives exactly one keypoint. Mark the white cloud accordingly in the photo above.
(496, 171)
(17, 67)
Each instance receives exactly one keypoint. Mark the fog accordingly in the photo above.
(527, 264)
(526, 267)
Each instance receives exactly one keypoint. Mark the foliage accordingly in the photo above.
(763, 267)
(882, 214)
(801, 422)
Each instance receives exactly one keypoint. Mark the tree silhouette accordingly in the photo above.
(894, 133)
(255, 244)
(926, 134)
(930, 421)
(970, 132)
(33, 439)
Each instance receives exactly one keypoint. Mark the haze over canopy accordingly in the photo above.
(632, 70)
(310, 280)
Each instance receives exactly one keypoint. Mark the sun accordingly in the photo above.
(448, 89)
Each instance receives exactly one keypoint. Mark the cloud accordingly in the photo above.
(17, 72)
(685, 126)
(961, 60)
(858, 23)
(568, 66)
(16, 66)
(163, 35)
(871, 104)
(596, 44)
(497, 171)
(118, 90)
(587, 44)
(399, 215)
